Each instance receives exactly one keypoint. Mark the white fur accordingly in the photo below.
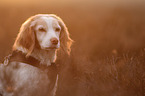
(44, 37)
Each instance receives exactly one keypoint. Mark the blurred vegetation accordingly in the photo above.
(108, 55)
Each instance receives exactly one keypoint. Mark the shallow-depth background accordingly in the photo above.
(108, 55)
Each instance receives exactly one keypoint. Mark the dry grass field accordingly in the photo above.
(108, 54)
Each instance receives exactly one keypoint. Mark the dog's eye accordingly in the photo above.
(42, 29)
(57, 29)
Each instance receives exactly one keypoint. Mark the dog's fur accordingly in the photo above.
(40, 37)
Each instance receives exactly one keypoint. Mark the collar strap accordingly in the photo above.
(21, 57)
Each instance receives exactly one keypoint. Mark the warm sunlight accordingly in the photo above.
(107, 57)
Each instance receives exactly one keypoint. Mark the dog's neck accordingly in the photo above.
(44, 56)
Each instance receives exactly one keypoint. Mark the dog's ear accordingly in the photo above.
(26, 37)
(65, 40)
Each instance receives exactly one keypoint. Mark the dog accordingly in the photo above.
(31, 70)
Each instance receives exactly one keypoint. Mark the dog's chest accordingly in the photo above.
(27, 80)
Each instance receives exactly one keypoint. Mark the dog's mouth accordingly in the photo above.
(51, 48)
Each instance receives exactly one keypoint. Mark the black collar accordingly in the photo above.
(21, 57)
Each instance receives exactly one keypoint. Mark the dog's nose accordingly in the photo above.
(54, 41)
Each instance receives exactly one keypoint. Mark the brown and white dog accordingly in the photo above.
(30, 69)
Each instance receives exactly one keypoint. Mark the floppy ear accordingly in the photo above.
(65, 40)
(26, 37)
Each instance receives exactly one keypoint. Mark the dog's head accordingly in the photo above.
(44, 32)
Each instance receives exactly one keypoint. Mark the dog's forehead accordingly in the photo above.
(46, 22)
(49, 20)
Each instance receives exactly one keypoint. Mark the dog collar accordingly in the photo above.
(21, 57)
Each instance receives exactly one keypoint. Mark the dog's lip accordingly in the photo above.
(49, 48)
